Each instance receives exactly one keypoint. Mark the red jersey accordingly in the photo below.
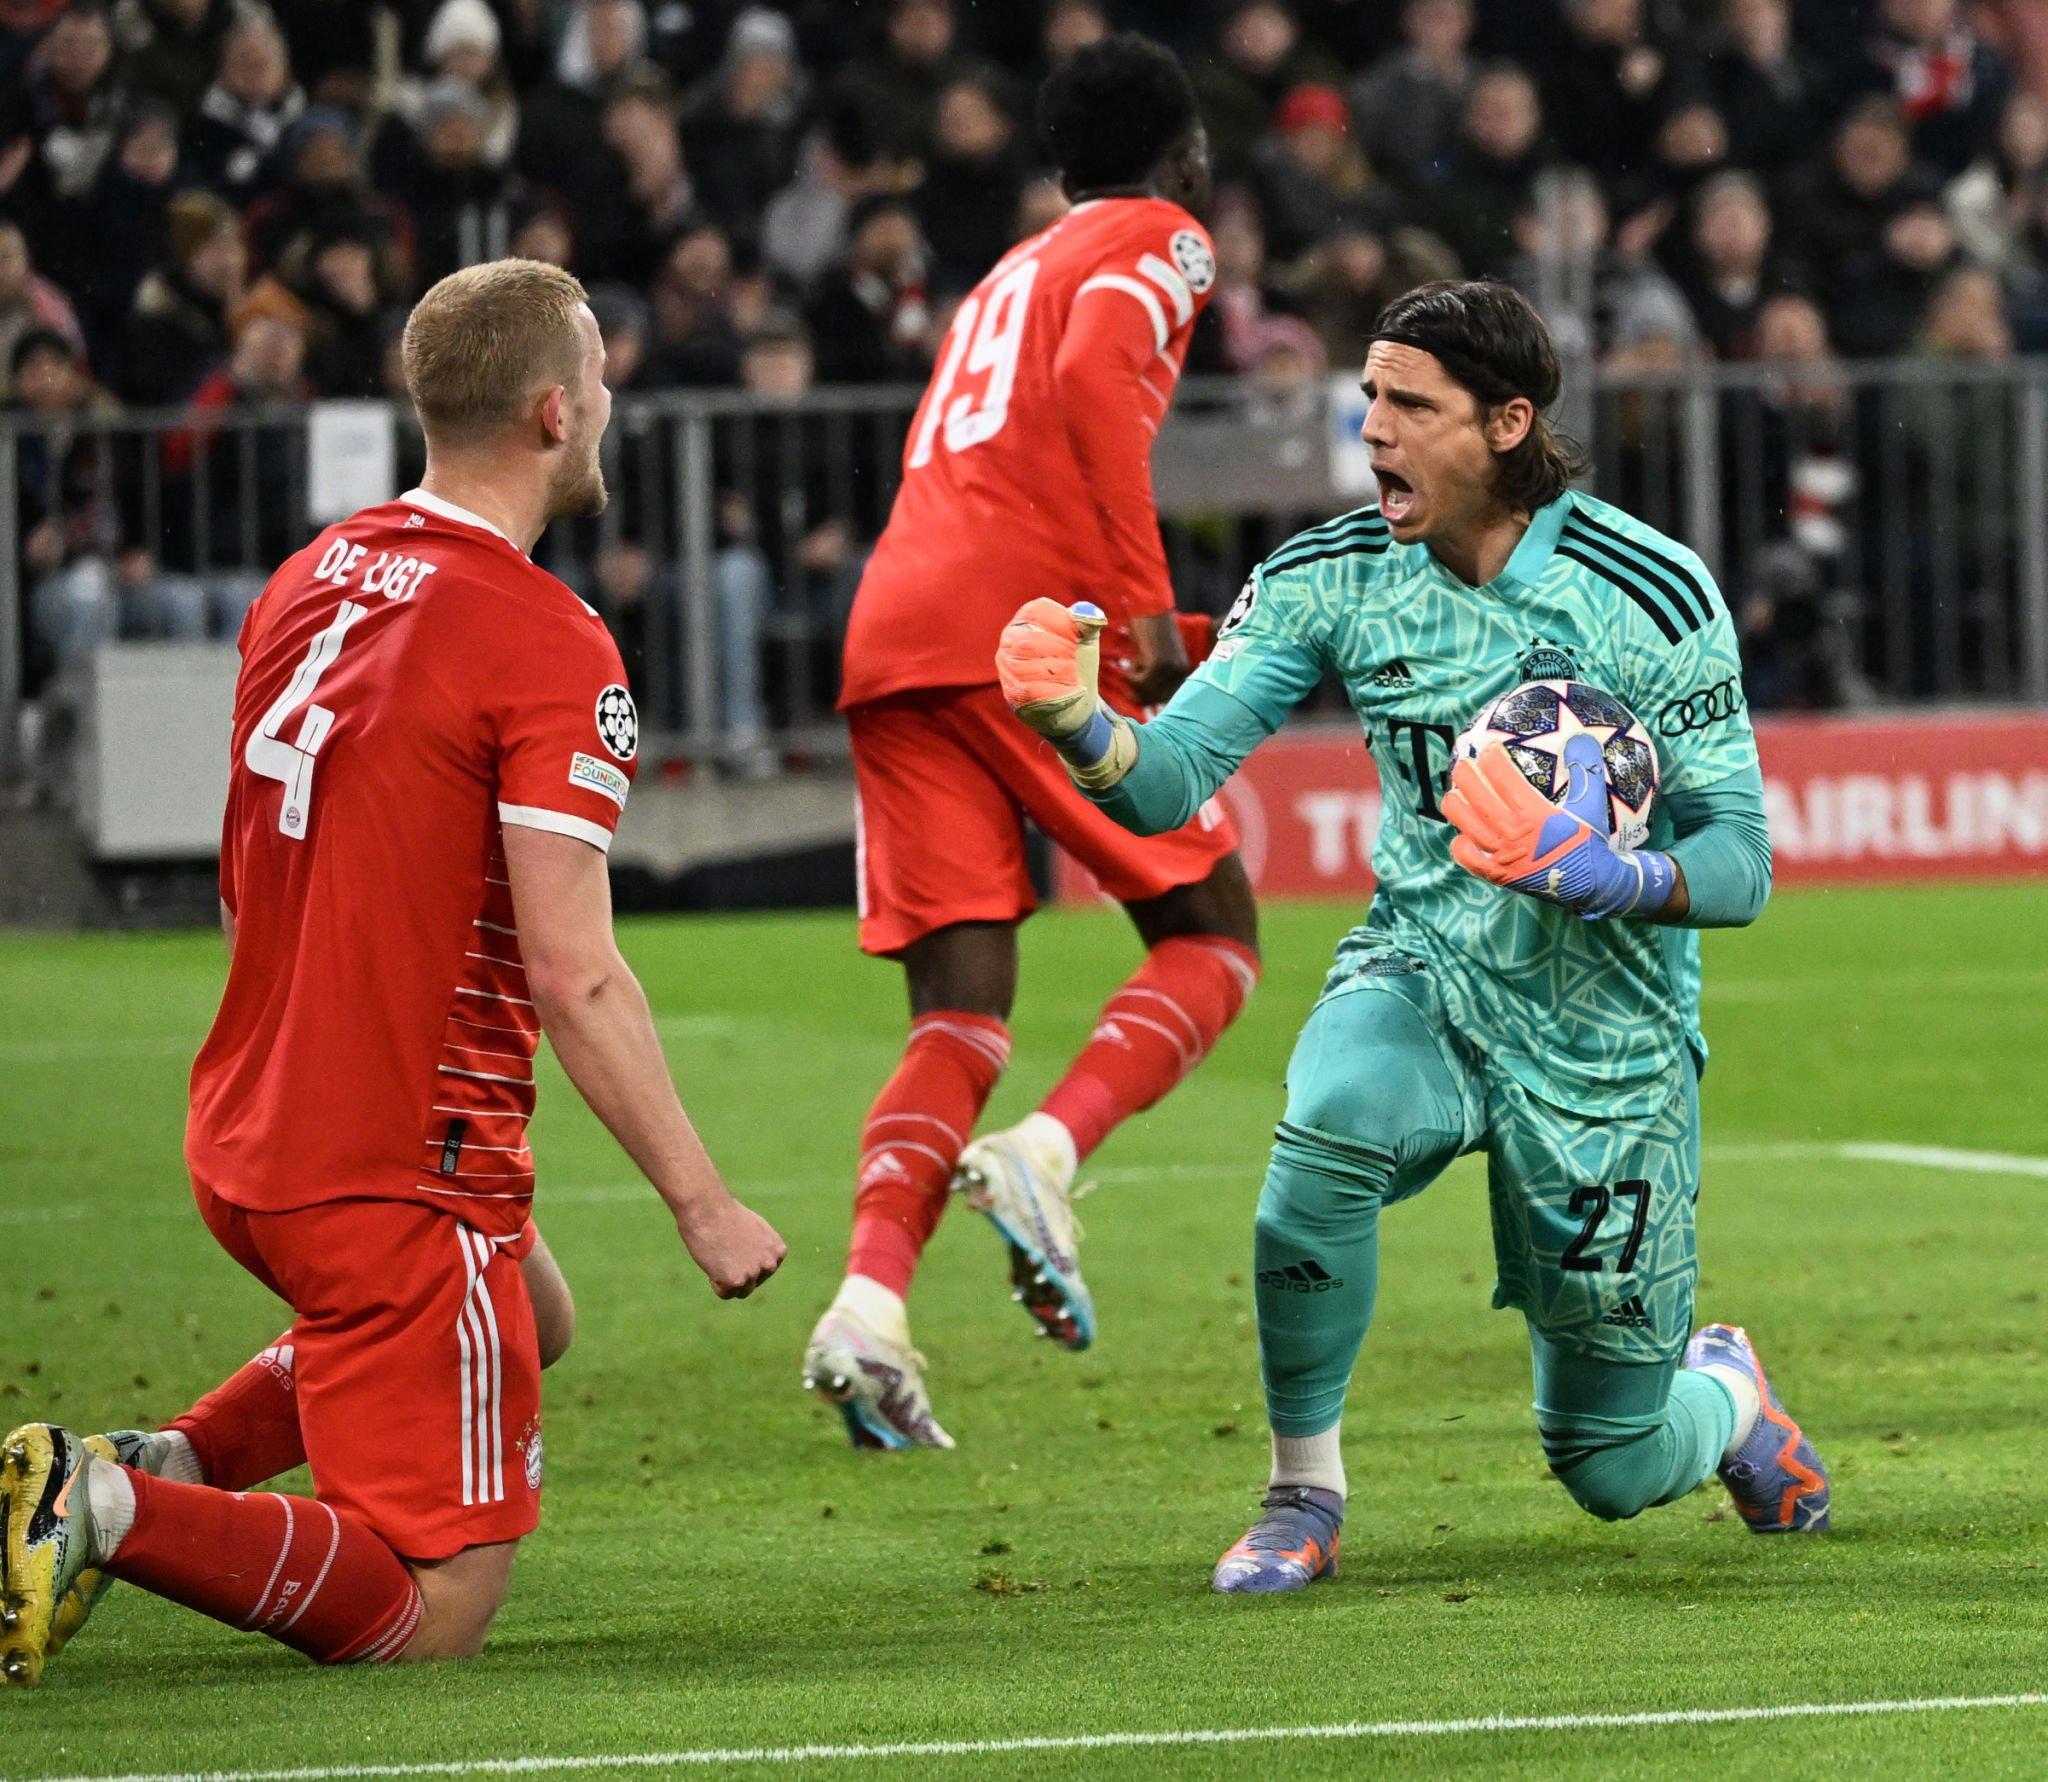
(1028, 468)
(409, 682)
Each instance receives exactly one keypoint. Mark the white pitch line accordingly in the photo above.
(1937, 1157)
(1112, 1741)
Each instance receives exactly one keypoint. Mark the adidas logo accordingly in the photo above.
(883, 1163)
(1300, 1277)
(1629, 1315)
(1393, 674)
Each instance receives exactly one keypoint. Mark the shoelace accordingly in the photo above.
(1268, 1536)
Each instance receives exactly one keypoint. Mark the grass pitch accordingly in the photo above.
(717, 1570)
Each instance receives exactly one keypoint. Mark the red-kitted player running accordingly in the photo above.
(1027, 473)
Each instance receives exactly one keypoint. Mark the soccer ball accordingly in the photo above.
(1536, 719)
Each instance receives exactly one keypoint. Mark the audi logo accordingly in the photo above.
(1701, 707)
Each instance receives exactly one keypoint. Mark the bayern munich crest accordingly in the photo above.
(1192, 255)
(618, 722)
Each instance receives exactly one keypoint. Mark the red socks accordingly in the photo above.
(1153, 1031)
(914, 1135)
(246, 1430)
(288, 1567)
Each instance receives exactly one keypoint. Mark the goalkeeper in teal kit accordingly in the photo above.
(1523, 985)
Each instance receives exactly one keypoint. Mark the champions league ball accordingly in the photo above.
(1536, 719)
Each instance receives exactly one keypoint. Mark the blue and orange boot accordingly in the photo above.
(1292, 1545)
(1778, 1482)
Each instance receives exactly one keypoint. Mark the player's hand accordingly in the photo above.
(735, 1247)
(1511, 835)
(1046, 660)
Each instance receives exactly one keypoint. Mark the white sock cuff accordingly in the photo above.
(875, 1306)
(110, 1507)
(1749, 1405)
(180, 1458)
(1316, 1460)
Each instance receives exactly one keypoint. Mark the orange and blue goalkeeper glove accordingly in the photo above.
(1511, 835)
(1047, 660)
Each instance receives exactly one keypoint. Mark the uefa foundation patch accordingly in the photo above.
(596, 776)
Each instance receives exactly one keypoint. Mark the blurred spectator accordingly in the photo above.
(972, 179)
(29, 303)
(98, 246)
(333, 45)
(170, 48)
(1728, 267)
(739, 133)
(328, 287)
(1260, 59)
(1228, 334)
(1844, 200)
(1966, 318)
(1887, 288)
(1950, 84)
(69, 108)
(462, 46)
(1285, 377)
(1790, 514)
(1992, 206)
(563, 129)
(804, 229)
(1603, 85)
(177, 327)
(231, 512)
(245, 115)
(1689, 148)
(623, 238)
(69, 519)
(780, 540)
(319, 184)
(1040, 204)
(696, 311)
(1635, 317)
(1411, 104)
(896, 89)
(872, 317)
(1069, 25)
(1493, 171)
(1343, 283)
(541, 231)
(462, 202)
(1310, 174)
(1763, 85)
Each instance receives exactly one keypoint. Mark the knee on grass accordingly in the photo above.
(1613, 1478)
(459, 1599)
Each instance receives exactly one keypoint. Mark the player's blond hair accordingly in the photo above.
(484, 341)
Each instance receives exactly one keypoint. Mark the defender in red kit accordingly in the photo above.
(1027, 473)
(433, 739)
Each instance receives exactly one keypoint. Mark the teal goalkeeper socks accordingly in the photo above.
(1622, 1438)
(1316, 1256)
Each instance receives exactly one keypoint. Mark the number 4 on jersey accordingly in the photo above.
(291, 763)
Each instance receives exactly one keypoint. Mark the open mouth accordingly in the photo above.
(1397, 495)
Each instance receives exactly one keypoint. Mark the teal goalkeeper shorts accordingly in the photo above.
(1592, 1217)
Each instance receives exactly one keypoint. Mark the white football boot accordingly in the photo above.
(875, 1378)
(1022, 1180)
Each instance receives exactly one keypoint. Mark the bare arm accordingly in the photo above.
(596, 1016)
(227, 926)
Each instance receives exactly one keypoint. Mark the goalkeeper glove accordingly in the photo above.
(1047, 661)
(1511, 835)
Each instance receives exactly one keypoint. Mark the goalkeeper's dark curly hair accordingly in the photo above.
(1113, 111)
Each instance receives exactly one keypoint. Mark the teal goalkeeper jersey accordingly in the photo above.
(1587, 1015)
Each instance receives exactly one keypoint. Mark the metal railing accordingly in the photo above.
(1881, 530)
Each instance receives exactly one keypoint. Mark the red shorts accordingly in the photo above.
(415, 1361)
(944, 780)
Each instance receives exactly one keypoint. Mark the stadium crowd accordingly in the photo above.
(211, 203)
